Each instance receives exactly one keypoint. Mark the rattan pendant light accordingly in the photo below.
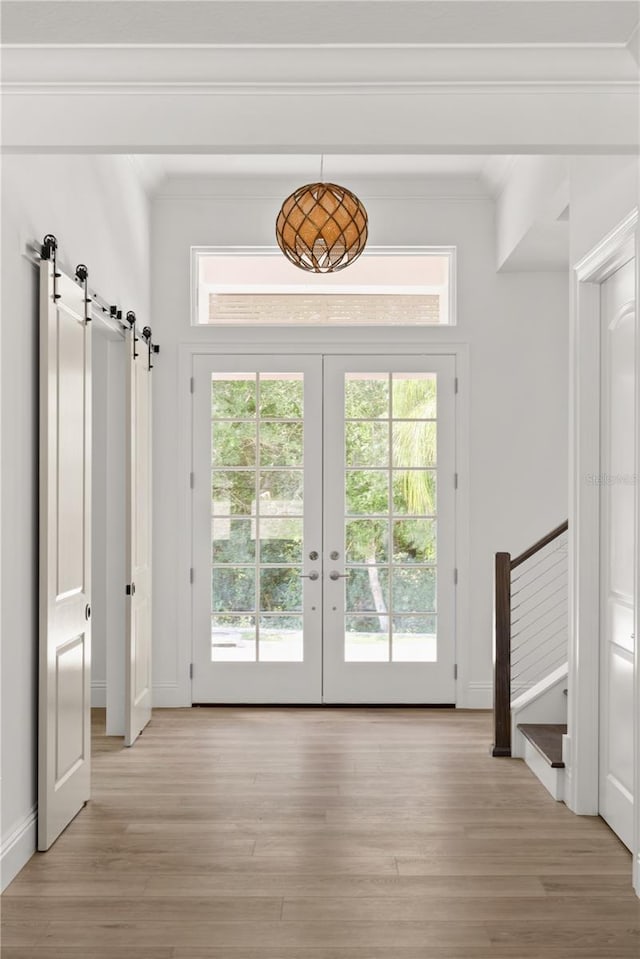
(322, 227)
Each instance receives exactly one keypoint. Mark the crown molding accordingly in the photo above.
(178, 67)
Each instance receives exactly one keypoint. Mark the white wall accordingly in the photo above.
(108, 606)
(96, 208)
(529, 231)
(604, 191)
(517, 330)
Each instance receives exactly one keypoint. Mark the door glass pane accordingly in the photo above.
(414, 639)
(281, 444)
(233, 540)
(367, 589)
(367, 443)
(366, 395)
(391, 424)
(281, 492)
(233, 589)
(414, 444)
(233, 395)
(233, 491)
(414, 395)
(281, 639)
(366, 639)
(257, 488)
(414, 589)
(367, 541)
(414, 492)
(280, 540)
(281, 396)
(280, 589)
(233, 639)
(233, 444)
(367, 491)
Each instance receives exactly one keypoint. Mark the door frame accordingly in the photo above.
(582, 793)
(384, 341)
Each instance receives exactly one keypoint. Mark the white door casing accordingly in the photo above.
(138, 676)
(64, 747)
(617, 481)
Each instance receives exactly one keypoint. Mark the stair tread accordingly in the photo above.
(547, 739)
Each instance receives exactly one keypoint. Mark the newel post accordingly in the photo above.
(502, 675)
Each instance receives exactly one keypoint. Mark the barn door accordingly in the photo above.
(138, 537)
(64, 750)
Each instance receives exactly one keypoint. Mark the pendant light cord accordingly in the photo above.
(322, 168)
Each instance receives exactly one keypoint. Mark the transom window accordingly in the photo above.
(259, 287)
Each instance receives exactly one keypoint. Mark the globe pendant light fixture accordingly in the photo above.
(322, 227)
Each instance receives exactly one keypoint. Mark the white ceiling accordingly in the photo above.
(485, 172)
(261, 165)
(356, 22)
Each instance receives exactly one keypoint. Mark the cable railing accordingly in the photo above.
(530, 622)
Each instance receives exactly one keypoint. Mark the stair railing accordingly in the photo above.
(530, 623)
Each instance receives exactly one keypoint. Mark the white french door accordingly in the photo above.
(257, 520)
(389, 529)
(323, 529)
(618, 549)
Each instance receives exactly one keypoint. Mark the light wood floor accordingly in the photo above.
(321, 834)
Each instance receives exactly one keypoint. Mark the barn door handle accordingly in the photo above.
(87, 612)
(131, 589)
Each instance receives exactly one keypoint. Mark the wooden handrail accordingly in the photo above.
(541, 543)
(502, 627)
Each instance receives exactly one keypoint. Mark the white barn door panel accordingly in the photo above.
(64, 754)
(138, 636)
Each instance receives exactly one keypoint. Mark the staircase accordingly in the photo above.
(531, 635)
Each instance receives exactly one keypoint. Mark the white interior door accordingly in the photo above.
(138, 682)
(618, 550)
(257, 521)
(64, 745)
(389, 593)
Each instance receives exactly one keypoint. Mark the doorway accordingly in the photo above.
(323, 514)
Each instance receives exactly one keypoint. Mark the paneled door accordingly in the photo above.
(617, 502)
(138, 682)
(64, 744)
(389, 529)
(257, 520)
(323, 517)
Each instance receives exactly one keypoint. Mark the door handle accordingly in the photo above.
(313, 575)
(334, 575)
(87, 612)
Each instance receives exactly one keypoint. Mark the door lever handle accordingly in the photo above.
(334, 574)
(313, 575)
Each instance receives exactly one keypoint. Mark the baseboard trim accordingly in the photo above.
(171, 696)
(99, 694)
(18, 848)
(478, 696)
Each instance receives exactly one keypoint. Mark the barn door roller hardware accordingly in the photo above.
(48, 250)
(151, 346)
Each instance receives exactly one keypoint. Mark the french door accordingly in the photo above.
(323, 529)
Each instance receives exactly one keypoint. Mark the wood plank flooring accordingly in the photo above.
(240, 833)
